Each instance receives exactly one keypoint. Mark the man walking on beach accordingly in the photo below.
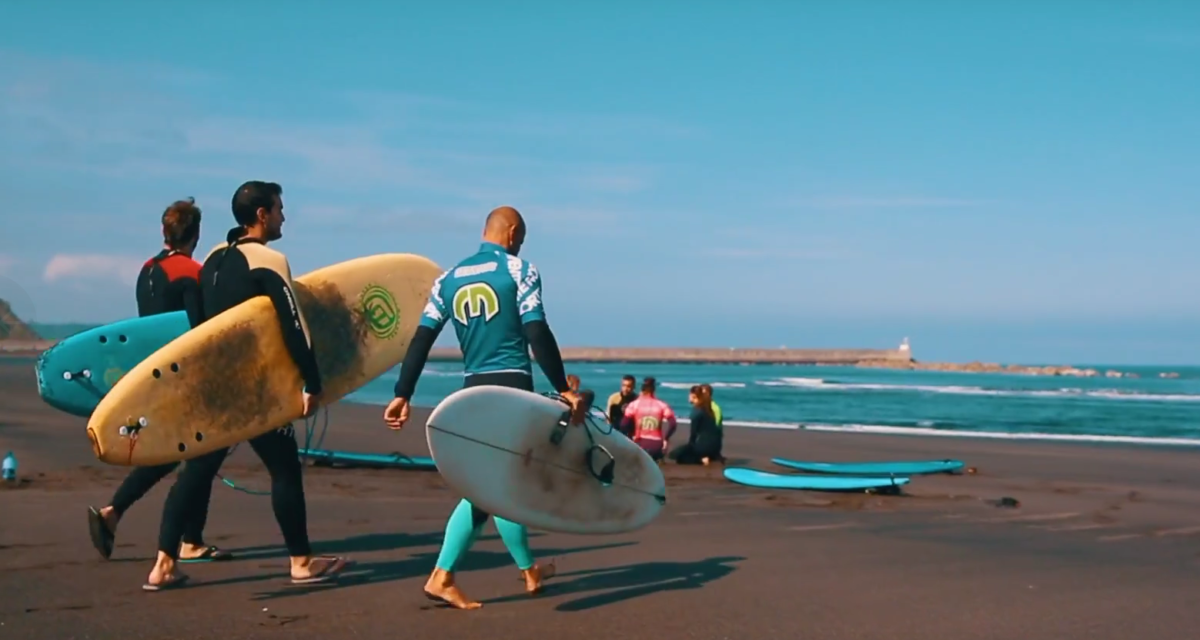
(496, 326)
(168, 282)
(247, 268)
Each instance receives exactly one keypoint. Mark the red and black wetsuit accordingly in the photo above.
(168, 282)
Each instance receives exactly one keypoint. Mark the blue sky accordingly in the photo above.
(1006, 181)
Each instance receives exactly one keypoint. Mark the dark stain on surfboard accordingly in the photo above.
(565, 486)
(230, 381)
(339, 331)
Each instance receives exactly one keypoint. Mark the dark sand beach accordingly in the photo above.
(1104, 545)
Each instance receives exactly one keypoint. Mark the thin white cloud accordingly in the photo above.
(779, 254)
(886, 202)
(92, 266)
(141, 121)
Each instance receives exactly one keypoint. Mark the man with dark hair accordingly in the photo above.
(495, 301)
(168, 282)
(240, 269)
(617, 403)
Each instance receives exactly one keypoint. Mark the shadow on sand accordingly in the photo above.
(414, 566)
(366, 543)
(631, 581)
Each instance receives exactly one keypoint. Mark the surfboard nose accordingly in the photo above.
(95, 443)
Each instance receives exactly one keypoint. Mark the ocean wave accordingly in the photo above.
(1064, 392)
(715, 385)
(1001, 435)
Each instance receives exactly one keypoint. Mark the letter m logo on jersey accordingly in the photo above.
(475, 300)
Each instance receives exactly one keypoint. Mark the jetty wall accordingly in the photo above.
(893, 357)
(712, 356)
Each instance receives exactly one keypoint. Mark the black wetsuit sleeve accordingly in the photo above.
(189, 291)
(414, 361)
(288, 312)
(545, 351)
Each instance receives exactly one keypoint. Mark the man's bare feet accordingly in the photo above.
(440, 587)
(164, 574)
(111, 517)
(536, 576)
(316, 569)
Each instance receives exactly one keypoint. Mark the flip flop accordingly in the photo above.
(177, 581)
(102, 536)
(210, 554)
(328, 573)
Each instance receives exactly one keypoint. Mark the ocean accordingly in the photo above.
(1143, 410)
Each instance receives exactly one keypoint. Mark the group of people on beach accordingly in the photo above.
(650, 422)
(495, 344)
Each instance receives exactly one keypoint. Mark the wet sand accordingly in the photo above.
(1102, 546)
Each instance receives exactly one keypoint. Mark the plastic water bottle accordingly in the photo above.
(10, 467)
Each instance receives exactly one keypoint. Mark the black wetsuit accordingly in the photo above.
(704, 441)
(616, 409)
(168, 282)
(233, 273)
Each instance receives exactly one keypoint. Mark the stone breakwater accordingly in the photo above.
(991, 367)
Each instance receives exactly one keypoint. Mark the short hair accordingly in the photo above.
(181, 223)
(648, 384)
(252, 196)
(629, 379)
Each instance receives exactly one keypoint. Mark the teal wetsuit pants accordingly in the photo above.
(467, 521)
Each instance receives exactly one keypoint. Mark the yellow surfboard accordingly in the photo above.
(231, 378)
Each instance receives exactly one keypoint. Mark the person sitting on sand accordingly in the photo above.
(618, 401)
(168, 282)
(716, 408)
(704, 441)
(495, 347)
(248, 269)
(644, 418)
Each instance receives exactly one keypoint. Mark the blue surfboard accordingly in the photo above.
(898, 468)
(370, 460)
(79, 370)
(764, 480)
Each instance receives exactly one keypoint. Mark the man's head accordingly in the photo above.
(258, 208)
(627, 383)
(181, 226)
(649, 384)
(505, 227)
(573, 382)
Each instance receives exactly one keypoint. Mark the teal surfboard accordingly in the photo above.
(370, 460)
(78, 371)
(764, 480)
(897, 468)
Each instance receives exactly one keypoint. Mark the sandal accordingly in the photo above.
(333, 567)
(176, 581)
(102, 536)
(210, 554)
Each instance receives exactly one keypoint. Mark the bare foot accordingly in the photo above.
(536, 576)
(111, 518)
(440, 587)
(164, 574)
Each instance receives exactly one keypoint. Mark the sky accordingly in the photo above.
(1013, 181)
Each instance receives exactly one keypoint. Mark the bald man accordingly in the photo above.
(495, 301)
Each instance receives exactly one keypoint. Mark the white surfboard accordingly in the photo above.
(494, 446)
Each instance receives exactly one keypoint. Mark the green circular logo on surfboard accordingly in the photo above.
(380, 311)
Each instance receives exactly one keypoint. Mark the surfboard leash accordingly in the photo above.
(310, 426)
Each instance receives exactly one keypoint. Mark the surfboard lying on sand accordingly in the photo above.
(369, 460)
(231, 378)
(898, 467)
(496, 447)
(764, 480)
(79, 370)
